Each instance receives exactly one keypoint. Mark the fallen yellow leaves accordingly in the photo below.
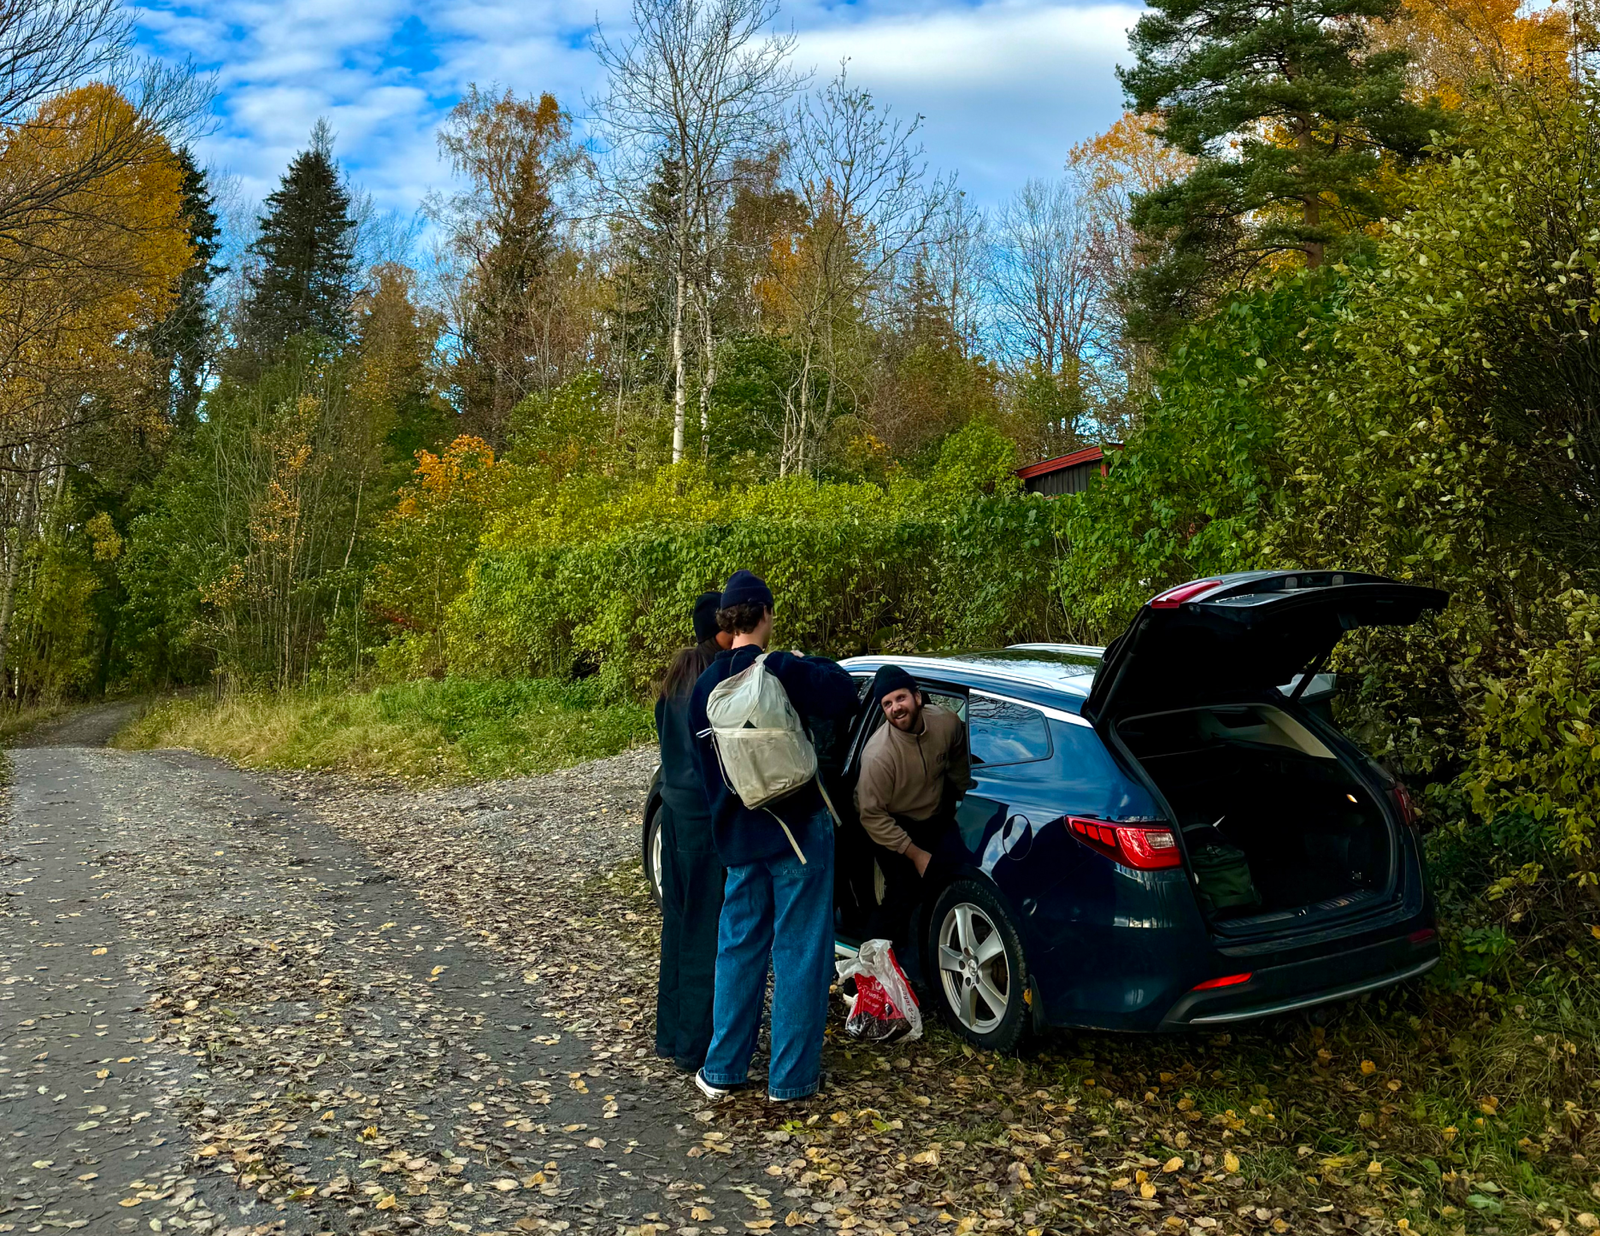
(1230, 1162)
(1368, 1068)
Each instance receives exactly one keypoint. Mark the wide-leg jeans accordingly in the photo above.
(776, 911)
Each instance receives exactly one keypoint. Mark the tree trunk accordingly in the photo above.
(679, 391)
(709, 378)
(13, 565)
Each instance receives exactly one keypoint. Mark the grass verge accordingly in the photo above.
(451, 730)
(22, 720)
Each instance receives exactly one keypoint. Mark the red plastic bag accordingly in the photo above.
(884, 1007)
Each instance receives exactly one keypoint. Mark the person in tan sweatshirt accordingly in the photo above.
(914, 770)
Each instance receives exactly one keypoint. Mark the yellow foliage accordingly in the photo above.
(465, 472)
(88, 273)
(1456, 43)
(1129, 158)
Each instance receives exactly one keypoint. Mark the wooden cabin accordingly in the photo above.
(1067, 474)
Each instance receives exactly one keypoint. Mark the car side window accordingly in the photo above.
(1005, 732)
(950, 703)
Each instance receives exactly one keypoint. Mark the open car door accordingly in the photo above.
(1236, 635)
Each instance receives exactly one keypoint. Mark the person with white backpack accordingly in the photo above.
(773, 828)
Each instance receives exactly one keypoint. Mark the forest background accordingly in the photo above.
(441, 502)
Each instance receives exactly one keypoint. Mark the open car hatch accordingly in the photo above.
(1234, 635)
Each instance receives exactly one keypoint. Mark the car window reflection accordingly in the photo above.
(1005, 732)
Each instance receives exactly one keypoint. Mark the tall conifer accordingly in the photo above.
(186, 339)
(304, 281)
(1291, 114)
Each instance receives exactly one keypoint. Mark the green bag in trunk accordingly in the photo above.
(1223, 875)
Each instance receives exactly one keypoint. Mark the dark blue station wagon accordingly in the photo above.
(1169, 832)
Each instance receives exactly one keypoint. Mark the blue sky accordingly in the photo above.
(1006, 86)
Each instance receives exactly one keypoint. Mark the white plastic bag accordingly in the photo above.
(884, 1007)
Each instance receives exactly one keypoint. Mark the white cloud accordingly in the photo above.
(1006, 86)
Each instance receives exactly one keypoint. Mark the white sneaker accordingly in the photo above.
(714, 1093)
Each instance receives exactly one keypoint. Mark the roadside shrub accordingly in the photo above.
(1535, 752)
(604, 579)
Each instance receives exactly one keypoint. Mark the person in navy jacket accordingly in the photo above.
(776, 907)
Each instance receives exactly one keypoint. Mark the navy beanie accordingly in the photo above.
(889, 679)
(746, 588)
(706, 606)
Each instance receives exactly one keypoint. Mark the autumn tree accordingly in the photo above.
(1453, 45)
(428, 539)
(502, 227)
(1110, 172)
(861, 178)
(304, 273)
(73, 322)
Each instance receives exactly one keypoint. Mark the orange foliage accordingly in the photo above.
(1456, 43)
(1129, 158)
(465, 472)
(92, 270)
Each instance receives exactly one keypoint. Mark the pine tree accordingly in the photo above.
(305, 278)
(1291, 115)
(185, 339)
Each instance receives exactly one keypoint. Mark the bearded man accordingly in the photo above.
(914, 770)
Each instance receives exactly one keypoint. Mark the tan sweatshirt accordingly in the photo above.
(905, 774)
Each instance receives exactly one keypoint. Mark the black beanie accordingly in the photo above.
(889, 679)
(743, 588)
(706, 606)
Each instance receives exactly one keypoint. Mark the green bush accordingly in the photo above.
(604, 576)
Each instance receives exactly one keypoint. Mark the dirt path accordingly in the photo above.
(94, 726)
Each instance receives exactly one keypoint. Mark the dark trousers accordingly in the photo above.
(902, 886)
(691, 905)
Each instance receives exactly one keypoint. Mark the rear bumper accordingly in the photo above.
(1321, 980)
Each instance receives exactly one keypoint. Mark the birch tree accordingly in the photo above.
(695, 88)
(862, 180)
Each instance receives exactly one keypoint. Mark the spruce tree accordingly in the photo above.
(304, 280)
(1291, 114)
(186, 339)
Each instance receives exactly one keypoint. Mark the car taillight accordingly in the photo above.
(1404, 803)
(1133, 845)
(1174, 597)
(1426, 935)
(1227, 980)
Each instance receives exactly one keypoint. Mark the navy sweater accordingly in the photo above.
(817, 687)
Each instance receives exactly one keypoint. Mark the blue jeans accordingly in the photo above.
(776, 908)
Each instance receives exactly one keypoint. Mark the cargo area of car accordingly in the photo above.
(1273, 820)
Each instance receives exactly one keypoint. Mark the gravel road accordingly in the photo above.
(239, 1003)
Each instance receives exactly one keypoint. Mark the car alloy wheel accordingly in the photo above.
(653, 862)
(982, 986)
(974, 969)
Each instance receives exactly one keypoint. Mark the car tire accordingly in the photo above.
(651, 846)
(975, 967)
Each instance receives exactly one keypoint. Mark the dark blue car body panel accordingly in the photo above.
(1111, 947)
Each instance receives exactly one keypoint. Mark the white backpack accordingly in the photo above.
(760, 742)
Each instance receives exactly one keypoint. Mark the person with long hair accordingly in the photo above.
(691, 873)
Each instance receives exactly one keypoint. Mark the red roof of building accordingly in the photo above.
(1089, 454)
